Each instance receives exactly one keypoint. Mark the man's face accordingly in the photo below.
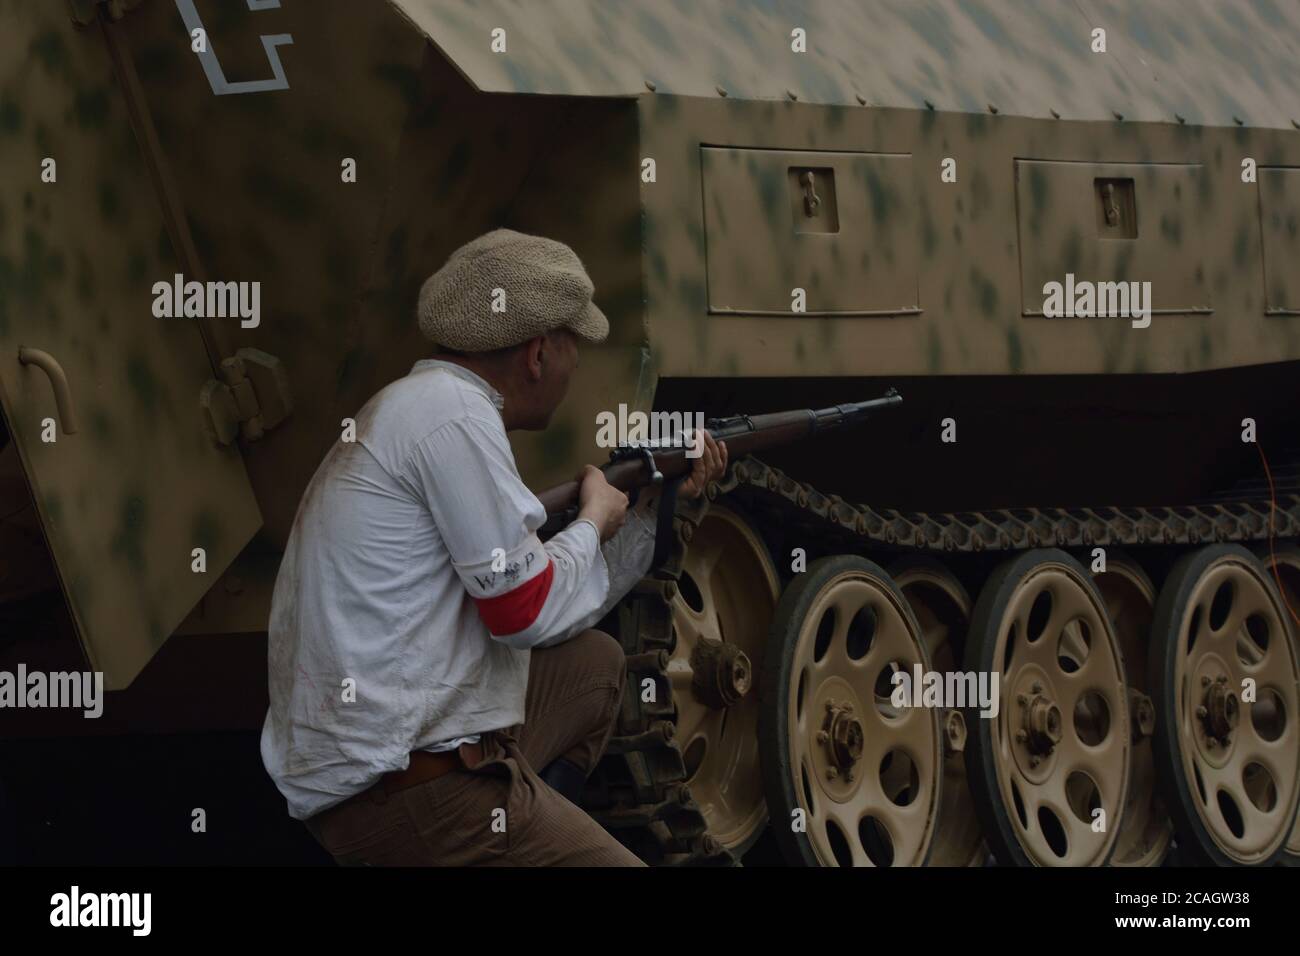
(551, 364)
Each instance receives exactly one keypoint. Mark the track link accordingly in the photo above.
(639, 792)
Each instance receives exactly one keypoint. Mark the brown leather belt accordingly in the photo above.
(426, 766)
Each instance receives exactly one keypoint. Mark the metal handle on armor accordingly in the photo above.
(48, 364)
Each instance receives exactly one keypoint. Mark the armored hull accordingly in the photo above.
(779, 208)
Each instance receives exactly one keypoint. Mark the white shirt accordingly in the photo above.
(413, 586)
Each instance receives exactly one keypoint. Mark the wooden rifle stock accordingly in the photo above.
(744, 434)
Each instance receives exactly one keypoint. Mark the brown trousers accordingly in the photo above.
(498, 812)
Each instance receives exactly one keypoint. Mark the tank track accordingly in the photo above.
(639, 792)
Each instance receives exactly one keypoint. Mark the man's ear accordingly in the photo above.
(533, 349)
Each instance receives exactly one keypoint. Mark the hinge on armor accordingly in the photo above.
(252, 400)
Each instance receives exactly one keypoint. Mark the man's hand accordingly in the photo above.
(600, 502)
(708, 467)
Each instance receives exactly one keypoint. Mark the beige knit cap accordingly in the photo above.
(545, 288)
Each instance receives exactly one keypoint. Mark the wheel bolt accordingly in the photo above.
(1022, 736)
(1205, 681)
(1037, 688)
(822, 736)
(1022, 700)
(830, 705)
(1201, 711)
(1221, 679)
(848, 775)
(1034, 761)
(831, 773)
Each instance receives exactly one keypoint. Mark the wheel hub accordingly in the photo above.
(1042, 725)
(722, 673)
(1219, 711)
(843, 737)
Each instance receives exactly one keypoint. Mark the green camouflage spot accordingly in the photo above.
(560, 445)
(110, 203)
(205, 532)
(128, 541)
(52, 50)
(696, 235)
(268, 187)
(929, 235)
(986, 293)
(1206, 348)
(458, 161)
(769, 192)
(11, 117)
(91, 108)
(981, 194)
(85, 278)
(144, 385)
(44, 139)
(1038, 190)
(137, 266)
(934, 349)
(101, 427)
(882, 200)
(658, 265)
(157, 66)
(54, 508)
(1123, 262)
(202, 239)
(1015, 357)
(1241, 246)
(1171, 229)
(1072, 251)
(403, 78)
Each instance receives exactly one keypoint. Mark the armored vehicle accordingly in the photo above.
(1065, 231)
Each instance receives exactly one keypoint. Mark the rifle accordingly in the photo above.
(632, 467)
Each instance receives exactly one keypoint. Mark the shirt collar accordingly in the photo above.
(465, 374)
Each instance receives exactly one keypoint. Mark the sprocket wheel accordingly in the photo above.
(721, 613)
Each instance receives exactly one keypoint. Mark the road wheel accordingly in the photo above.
(1227, 762)
(942, 608)
(1050, 772)
(1146, 830)
(851, 779)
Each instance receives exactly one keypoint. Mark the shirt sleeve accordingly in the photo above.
(627, 557)
(525, 591)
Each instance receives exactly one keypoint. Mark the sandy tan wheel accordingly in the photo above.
(1145, 830)
(942, 608)
(1227, 744)
(851, 779)
(722, 613)
(1283, 561)
(1050, 772)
